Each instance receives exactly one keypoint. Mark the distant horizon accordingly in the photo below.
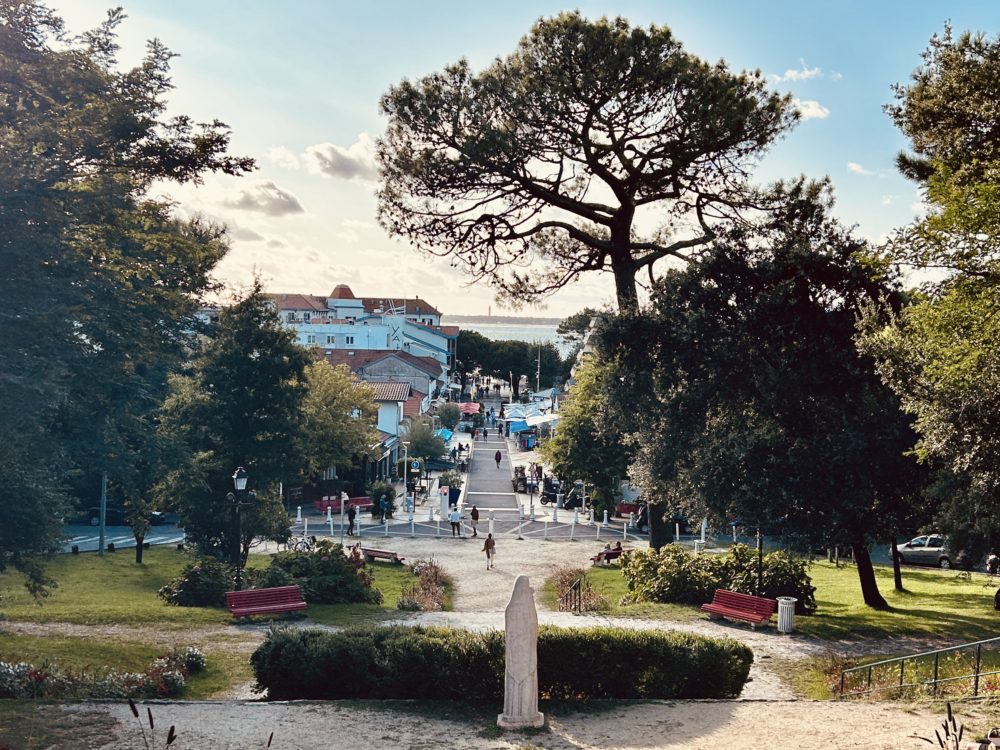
(522, 319)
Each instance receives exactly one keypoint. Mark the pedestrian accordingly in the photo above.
(456, 522)
(475, 433)
(383, 509)
(485, 431)
(496, 457)
(474, 515)
(454, 453)
(490, 548)
(351, 512)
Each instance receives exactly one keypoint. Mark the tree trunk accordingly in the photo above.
(866, 574)
(138, 548)
(660, 529)
(897, 574)
(624, 271)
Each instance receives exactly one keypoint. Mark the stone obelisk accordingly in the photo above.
(520, 694)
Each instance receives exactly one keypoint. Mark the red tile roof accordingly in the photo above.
(413, 306)
(342, 291)
(412, 406)
(298, 301)
(389, 390)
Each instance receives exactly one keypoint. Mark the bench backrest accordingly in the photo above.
(260, 597)
(745, 602)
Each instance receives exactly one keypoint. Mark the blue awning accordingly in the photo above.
(444, 434)
(518, 426)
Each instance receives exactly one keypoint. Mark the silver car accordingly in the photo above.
(931, 549)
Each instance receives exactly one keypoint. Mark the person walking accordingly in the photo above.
(496, 457)
(456, 522)
(474, 515)
(351, 513)
(490, 548)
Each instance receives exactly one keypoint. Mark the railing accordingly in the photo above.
(872, 675)
(572, 600)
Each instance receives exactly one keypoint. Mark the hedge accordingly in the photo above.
(402, 662)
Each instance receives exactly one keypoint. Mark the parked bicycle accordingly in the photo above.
(302, 543)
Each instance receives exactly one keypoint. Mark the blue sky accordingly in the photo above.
(299, 83)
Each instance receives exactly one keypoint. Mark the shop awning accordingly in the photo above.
(444, 434)
(469, 407)
(518, 426)
(537, 419)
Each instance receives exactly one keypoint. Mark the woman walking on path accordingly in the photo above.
(490, 548)
(496, 457)
(474, 515)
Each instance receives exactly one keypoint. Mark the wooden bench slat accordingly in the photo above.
(382, 554)
(753, 609)
(265, 601)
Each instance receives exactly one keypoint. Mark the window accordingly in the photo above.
(305, 317)
(331, 339)
(311, 338)
(290, 317)
(348, 340)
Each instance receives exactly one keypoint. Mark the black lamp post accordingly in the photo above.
(760, 562)
(237, 500)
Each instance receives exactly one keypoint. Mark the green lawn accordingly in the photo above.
(936, 604)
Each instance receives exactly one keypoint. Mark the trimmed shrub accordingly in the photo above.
(203, 583)
(429, 592)
(325, 574)
(675, 575)
(432, 663)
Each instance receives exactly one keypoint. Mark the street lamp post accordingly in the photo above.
(760, 562)
(237, 500)
(406, 475)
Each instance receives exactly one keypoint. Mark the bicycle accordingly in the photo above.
(302, 543)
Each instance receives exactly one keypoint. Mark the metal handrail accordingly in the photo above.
(975, 676)
(572, 600)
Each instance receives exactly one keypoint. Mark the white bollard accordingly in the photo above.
(430, 512)
(677, 532)
(555, 513)
(439, 527)
(331, 528)
(631, 520)
(572, 529)
(520, 512)
(532, 516)
(413, 532)
(357, 522)
(329, 512)
(590, 518)
(305, 527)
(598, 532)
(559, 500)
(605, 524)
(625, 532)
(704, 528)
(576, 517)
(491, 523)
(386, 526)
(298, 514)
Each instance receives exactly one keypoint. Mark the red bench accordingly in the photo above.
(371, 555)
(606, 556)
(265, 601)
(333, 503)
(753, 609)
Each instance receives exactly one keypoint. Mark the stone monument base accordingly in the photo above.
(520, 722)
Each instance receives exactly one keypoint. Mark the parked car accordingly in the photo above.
(931, 549)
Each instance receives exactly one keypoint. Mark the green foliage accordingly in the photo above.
(378, 491)
(440, 663)
(673, 575)
(419, 431)
(547, 152)
(574, 328)
(325, 574)
(337, 417)
(240, 406)
(106, 276)
(430, 592)
(450, 415)
(452, 479)
(203, 583)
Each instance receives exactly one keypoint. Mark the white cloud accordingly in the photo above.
(810, 109)
(348, 235)
(357, 161)
(798, 74)
(357, 224)
(835, 75)
(267, 198)
(275, 243)
(243, 233)
(283, 157)
(857, 168)
(886, 200)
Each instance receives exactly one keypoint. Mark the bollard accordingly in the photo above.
(329, 512)
(572, 529)
(598, 532)
(605, 524)
(305, 527)
(677, 532)
(430, 513)
(331, 529)
(520, 512)
(386, 526)
(631, 520)
(625, 531)
(357, 523)
(413, 532)
(439, 527)
(532, 514)
(298, 514)
(546, 529)
(704, 528)
(491, 523)
(576, 517)
(559, 500)
(555, 513)
(590, 518)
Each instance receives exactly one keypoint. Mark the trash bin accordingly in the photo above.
(786, 614)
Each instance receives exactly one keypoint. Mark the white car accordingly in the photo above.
(931, 549)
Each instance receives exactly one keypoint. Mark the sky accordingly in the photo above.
(299, 82)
